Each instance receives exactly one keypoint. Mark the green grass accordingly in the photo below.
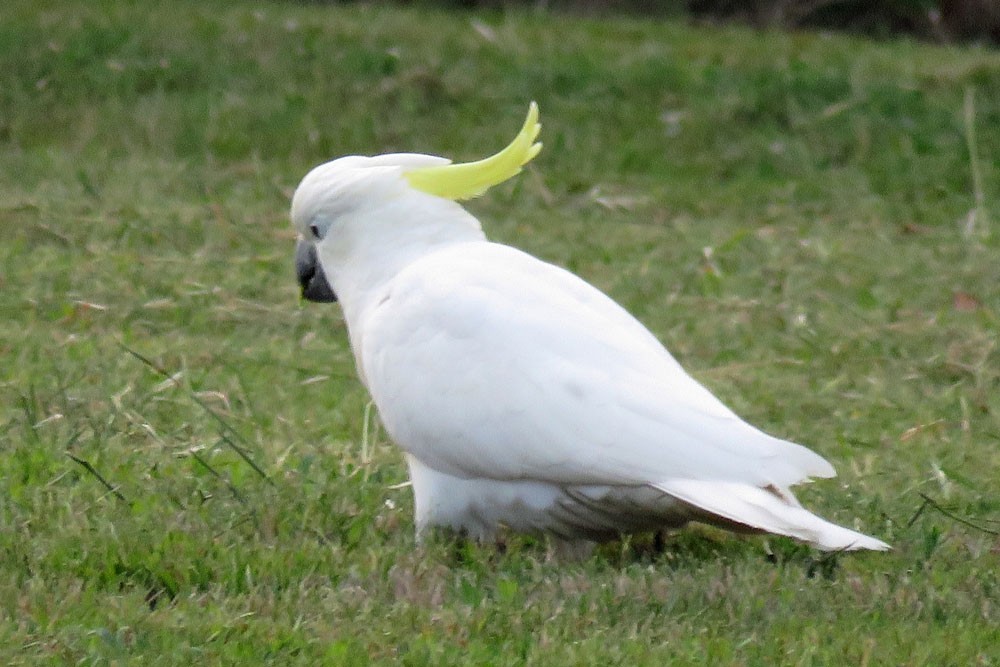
(789, 213)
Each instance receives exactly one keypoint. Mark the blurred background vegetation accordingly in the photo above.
(937, 20)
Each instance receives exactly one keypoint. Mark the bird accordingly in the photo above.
(523, 398)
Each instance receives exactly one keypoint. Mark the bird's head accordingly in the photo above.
(338, 197)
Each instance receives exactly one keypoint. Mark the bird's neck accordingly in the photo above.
(371, 250)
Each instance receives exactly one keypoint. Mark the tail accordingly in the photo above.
(771, 510)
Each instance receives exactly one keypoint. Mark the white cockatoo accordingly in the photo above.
(522, 396)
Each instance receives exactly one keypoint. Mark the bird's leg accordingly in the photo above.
(659, 542)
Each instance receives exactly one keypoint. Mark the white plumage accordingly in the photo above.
(521, 395)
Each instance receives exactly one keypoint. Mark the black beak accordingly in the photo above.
(310, 274)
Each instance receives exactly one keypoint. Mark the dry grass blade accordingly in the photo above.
(977, 216)
(219, 476)
(226, 429)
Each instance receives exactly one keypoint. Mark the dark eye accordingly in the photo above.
(314, 230)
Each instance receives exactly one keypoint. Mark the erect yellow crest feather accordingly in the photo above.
(471, 179)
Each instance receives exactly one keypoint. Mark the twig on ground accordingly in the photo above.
(930, 502)
(100, 478)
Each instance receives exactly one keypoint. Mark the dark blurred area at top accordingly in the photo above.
(933, 20)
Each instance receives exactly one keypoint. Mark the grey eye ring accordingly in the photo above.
(314, 230)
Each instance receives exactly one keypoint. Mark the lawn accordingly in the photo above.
(190, 472)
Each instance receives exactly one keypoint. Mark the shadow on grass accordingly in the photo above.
(686, 549)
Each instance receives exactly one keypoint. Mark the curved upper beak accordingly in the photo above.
(310, 274)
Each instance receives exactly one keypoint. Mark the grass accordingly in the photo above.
(188, 476)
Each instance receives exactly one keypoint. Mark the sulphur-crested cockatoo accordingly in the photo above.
(522, 396)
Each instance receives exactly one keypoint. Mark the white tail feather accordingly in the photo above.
(773, 512)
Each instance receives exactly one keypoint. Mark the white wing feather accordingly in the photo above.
(762, 509)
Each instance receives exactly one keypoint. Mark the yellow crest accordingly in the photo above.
(471, 179)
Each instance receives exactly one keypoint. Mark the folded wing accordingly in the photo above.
(486, 362)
